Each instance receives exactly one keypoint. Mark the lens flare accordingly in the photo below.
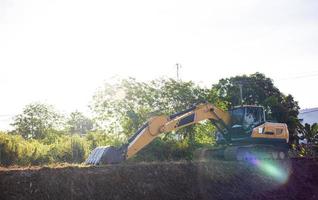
(273, 169)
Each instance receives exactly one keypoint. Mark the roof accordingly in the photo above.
(308, 110)
(309, 115)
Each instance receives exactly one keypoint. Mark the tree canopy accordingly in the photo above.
(77, 122)
(36, 120)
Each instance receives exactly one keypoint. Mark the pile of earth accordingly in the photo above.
(293, 179)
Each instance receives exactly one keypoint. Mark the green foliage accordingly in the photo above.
(256, 89)
(311, 133)
(95, 139)
(205, 134)
(52, 137)
(77, 123)
(36, 121)
(15, 150)
(163, 150)
(68, 149)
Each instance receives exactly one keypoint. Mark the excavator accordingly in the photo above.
(243, 133)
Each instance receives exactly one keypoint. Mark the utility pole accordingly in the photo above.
(240, 84)
(178, 68)
(241, 92)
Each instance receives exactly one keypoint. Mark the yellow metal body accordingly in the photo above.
(205, 111)
(147, 135)
(270, 130)
(162, 124)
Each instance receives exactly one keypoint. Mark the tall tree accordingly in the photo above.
(311, 132)
(36, 120)
(78, 123)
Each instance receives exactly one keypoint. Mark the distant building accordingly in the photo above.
(308, 116)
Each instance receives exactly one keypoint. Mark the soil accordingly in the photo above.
(293, 179)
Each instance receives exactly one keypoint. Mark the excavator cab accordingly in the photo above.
(247, 116)
(244, 119)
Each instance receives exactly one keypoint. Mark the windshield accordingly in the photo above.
(247, 116)
(253, 116)
(237, 116)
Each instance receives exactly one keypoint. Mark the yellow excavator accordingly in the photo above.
(243, 133)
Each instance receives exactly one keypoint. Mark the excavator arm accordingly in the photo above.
(156, 126)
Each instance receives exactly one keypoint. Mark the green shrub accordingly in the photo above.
(71, 149)
(160, 150)
(16, 150)
(95, 139)
(61, 148)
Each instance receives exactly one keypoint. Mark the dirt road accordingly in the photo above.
(295, 179)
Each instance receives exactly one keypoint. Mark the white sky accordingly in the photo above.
(60, 51)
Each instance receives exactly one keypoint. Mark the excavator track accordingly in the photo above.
(241, 153)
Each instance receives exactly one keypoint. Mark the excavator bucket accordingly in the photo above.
(105, 155)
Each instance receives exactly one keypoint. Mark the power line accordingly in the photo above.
(303, 75)
(309, 110)
(6, 115)
(5, 120)
(300, 77)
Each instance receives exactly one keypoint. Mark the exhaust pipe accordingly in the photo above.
(106, 155)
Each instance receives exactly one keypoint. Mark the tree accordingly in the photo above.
(260, 90)
(256, 89)
(36, 120)
(78, 123)
(311, 132)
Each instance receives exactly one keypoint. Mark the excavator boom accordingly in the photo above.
(156, 126)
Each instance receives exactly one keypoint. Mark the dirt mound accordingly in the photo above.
(296, 179)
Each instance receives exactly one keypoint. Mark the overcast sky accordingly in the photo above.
(60, 51)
